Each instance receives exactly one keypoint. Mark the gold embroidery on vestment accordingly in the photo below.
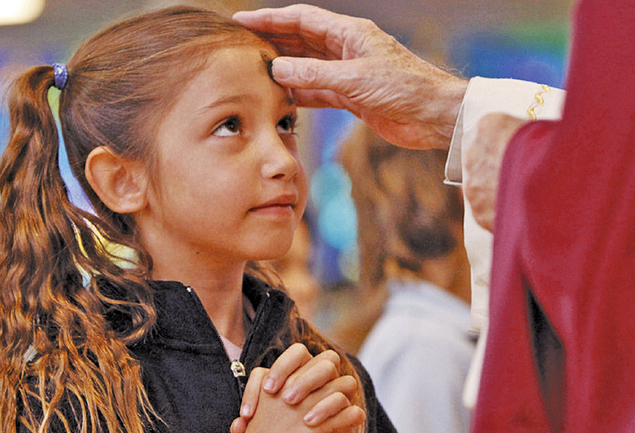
(539, 100)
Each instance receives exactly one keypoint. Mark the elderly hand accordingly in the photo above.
(347, 62)
(482, 163)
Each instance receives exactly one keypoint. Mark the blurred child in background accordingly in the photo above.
(414, 274)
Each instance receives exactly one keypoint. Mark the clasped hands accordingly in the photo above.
(300, 393)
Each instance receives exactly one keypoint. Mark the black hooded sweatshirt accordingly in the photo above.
(188, 375)
(191, 382)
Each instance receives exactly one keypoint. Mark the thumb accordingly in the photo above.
(239, 425)
(309, 73)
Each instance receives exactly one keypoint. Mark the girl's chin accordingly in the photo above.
(273, 253)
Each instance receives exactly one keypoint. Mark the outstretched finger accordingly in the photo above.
(343, 77)
(310, 98)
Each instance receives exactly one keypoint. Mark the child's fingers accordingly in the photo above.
(239, 425)
(327, 355)
(349, 419)
(315, 374)
(291, 359)
(252, 392)
(326, 408)
(327, 401)
(347, 385)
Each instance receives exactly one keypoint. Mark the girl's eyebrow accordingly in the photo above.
(290, 100)
(232, 99)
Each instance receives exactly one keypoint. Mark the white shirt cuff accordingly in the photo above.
(498, 95)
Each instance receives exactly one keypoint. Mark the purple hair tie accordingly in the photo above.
(61, 75)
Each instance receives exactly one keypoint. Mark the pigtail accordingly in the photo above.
(62, 365)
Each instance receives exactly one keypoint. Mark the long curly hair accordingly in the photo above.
(56, 344)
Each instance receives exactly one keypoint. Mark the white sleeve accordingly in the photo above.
(522, 99)
(518, 98)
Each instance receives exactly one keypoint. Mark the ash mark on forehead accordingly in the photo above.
(268, 59)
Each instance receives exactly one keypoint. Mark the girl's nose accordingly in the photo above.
(280, 161)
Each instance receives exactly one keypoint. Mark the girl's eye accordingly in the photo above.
(287, 124)
(228, 128)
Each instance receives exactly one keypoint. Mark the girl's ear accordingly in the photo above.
(120, 183)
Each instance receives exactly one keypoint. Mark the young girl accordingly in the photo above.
(185, 147)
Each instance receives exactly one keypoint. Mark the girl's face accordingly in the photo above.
(229, 185)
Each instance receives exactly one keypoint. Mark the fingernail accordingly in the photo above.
(281, 69)
(290, 395)
(268, 385)
(309, 417)
(245, 410)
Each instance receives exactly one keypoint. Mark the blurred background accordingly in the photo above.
(492, 38)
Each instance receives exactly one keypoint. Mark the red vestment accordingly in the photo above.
(560, 353)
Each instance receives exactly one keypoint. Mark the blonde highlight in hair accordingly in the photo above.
(68, 308)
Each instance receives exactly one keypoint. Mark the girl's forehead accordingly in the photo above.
(234, 75)
(240, 62)
(241, 53)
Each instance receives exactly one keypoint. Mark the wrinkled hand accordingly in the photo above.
(346, 62)
(482, 163)
(300, 393)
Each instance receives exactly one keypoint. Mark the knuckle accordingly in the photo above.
(349, 383)
(259, 370)
(301, 348)
(297, 346)
(331, 369)
(341, 399)
(358, 415)
(367, 24)
(308, 74)
(332, 356)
